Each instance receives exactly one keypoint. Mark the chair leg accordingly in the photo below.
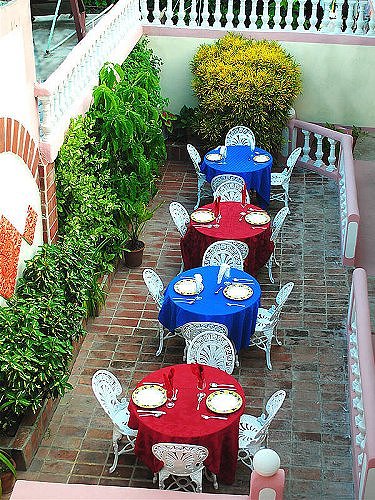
(161, 339)
(268, 356)
(210, 476)
(199, 196)
(269, 266)
(116, 435)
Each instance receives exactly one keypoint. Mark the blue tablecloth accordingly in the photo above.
(239, 161)
(213, 307)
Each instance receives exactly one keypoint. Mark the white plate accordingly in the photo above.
(202, 216)
(187, 286)
(261, 158)
(238, 291)
(213, 157)
(224, 401)
(257, 218)
(149, 396)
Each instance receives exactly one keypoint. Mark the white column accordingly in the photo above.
(169, 14)
(205, 14)
(230, 15)
(361, 21)
(332, 155)
(371, 24)
(306, 146)
(277, 16)
(253, 15)
(338, 20)
(144, 11)
(156, 13)
(324, 26)
(319, 150)
(289, 16)
(265, 16)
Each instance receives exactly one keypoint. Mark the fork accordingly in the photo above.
(206, 417)
(234, 304)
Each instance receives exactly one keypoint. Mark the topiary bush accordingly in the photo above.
(241, 81)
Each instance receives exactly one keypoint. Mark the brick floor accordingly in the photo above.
(311, 431)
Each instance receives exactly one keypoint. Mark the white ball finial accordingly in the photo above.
(266, 462)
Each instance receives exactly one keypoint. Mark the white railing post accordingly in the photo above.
(325, 24)
(314, 17)
(169, 14)
(338, 20)
(242, 15)
(217, 15)
(193, 15)
(306, 146)
(205, 14)
(301, 16)
(361, 17)
(332, 155)
(277, 16)
(181, 14)
(371, 24)
(253, 15)
(265, 16)
(319, 150)
(230, 15)
(289, 16)
(144, 11)
(156, 13)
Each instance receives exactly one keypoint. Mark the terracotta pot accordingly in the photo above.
(7, 480)
(133, 258)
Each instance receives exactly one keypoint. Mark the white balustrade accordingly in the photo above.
(205, 14)
(217, 15)
(319, 150)
(193, 14)
(169, 13)
(277, 17)
(230, 15)
(306, 146)
(338, 12)
(314, 15)
(362, 4)
(301, 16)
(253, 15)
(242, 16)
(181, 14)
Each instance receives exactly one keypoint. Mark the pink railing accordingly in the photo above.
(329, 153)
(361, 366)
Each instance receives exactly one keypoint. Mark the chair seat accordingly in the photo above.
(120, 419)
(278, 178)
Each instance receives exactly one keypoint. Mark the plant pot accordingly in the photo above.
(7, 480)
(133, 258)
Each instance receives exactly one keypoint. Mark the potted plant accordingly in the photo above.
(134, 214)
(7, 473)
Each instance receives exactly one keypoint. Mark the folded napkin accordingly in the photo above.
(168, 383)
(243, 195)
(198, 282)
(224, 269)
(217, 206)
(223, 151)
(198, 371)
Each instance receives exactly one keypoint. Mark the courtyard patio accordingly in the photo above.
(310, 432)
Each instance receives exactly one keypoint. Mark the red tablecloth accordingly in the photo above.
(197, 239)
(184, 424)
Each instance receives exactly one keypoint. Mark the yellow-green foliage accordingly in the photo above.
(240, 81)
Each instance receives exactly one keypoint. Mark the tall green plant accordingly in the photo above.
(244, 82)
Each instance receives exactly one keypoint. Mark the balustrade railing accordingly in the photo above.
(361, 366)
(68, 91)
(341, 16)
(330, 153)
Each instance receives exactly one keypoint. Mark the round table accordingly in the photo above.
(239, 161)
(184, 424)
(240, 320)
(232, 227)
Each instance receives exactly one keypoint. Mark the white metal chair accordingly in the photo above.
(223, 252)
(213, 349)
(181, 219)
(277, 225)
(267, 322)
(190, 330)
(231, 191)
(280, 300)
(242, 247)
(253, 431)
(106, 388)
(240, 135)
(219, 179)
(201, 178)
(184, 464)
(155, 287)
(282, 179)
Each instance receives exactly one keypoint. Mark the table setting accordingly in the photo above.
(254, 166)
(208, 403)
(232, 300)
(237, 221)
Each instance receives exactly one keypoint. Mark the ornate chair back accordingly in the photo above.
(213, 349)
(291, 161)
(278, 222)
(180, 217)
(240, 135)
(195, 157)
(223, 252)
(180, 459)
(219, 179)
(106, 388)
(155, 286)
(242, 247)
(231, 191)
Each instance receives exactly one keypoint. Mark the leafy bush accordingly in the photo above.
(114, 149)
(248, 82)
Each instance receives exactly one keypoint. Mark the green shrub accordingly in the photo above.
(241, 81)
